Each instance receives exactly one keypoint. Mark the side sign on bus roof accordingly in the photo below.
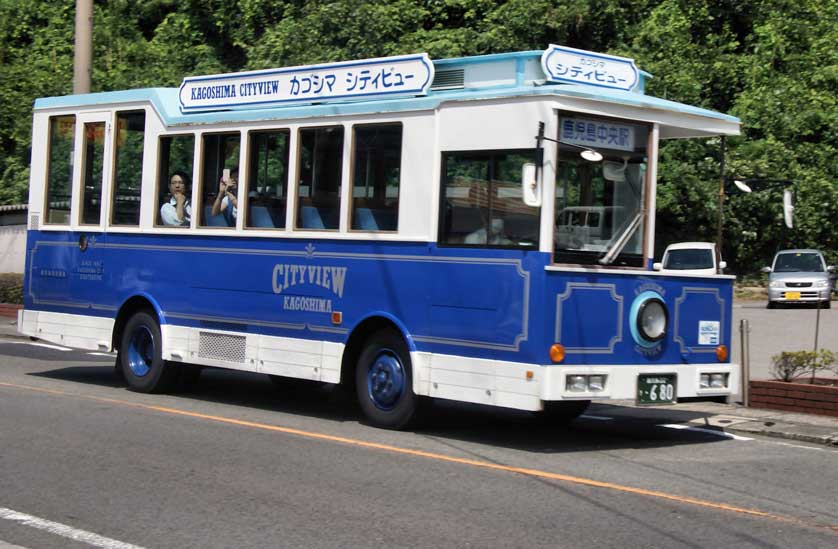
(386, 76)
(569, 65)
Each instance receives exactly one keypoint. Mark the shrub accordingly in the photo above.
(11, 288)
(790, 365)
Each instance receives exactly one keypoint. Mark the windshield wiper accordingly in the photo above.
(615, 246)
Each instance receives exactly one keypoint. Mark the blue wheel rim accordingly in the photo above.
(141, 351)
(386, 380)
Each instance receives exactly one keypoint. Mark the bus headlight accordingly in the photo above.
(713, 381)
(650, 319)
(596, 383)
(577, 384)
(718, 381)
(591, 383)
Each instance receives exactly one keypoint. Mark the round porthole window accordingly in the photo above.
(649, 319)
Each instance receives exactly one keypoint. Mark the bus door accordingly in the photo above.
(87, 271)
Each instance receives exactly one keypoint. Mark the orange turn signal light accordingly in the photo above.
(721, 353)
(557, 352)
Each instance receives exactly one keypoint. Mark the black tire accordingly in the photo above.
(564, 411)
(384, 382)
(140, 356)
(771, 305)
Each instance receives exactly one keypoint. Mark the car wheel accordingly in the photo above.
(384, 381)
(771, 305)
(140, 356)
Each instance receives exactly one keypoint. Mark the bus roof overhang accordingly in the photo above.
(675, 120)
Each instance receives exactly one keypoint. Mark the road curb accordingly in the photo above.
(8, 329)
(787, 432)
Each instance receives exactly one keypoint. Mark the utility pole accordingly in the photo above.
(84, 46)
(720, 219)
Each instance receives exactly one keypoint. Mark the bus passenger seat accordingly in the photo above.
(261, 217)
(310, 217)
(364, 220)
(213, 220)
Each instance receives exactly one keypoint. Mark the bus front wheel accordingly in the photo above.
(141, 356)
(384, 381)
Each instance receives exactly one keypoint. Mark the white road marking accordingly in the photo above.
(109, 355)
(700, 430)
(65, 531)
(597, 418)
(800, 446)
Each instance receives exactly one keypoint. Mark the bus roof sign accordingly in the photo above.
(569, 65)
(387, 76)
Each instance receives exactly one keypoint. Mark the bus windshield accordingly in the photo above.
(599, 203)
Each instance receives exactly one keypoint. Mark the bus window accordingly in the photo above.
(128, 169)
(375, 181)
(62, 131)
(92, 172)
(482, 200)
(267, 179)
(321, 164)
(174, 185)
(219, 196)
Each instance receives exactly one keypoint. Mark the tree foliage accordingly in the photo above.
(772, 63)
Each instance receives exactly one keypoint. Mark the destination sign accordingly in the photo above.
(387, 76)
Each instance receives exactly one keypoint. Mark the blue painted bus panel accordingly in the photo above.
(497, 304)
(594, 321)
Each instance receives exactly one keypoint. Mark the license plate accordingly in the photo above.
(792, 295)
(656, 389)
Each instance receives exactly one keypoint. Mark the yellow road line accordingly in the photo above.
(431, 455)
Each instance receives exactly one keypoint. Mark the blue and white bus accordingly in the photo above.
(478, 229)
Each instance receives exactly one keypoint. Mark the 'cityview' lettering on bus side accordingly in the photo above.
(287, 275)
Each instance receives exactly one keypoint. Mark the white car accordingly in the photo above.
(690, 258)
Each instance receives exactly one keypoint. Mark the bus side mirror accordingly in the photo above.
(657, 266)
(722, 265)
(766, 269)
(530, 187)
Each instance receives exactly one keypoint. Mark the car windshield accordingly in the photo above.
(689, 259)
(798, 263)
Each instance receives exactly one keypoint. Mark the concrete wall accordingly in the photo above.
(12, 248)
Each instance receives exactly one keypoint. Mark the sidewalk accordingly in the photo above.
(730, 418)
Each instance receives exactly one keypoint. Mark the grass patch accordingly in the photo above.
(11, 288)
(749, 292)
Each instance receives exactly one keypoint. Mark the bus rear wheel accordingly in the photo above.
(384, 382)
(140, 356)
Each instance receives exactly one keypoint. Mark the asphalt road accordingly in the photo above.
(776, 330)
(236, 463)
